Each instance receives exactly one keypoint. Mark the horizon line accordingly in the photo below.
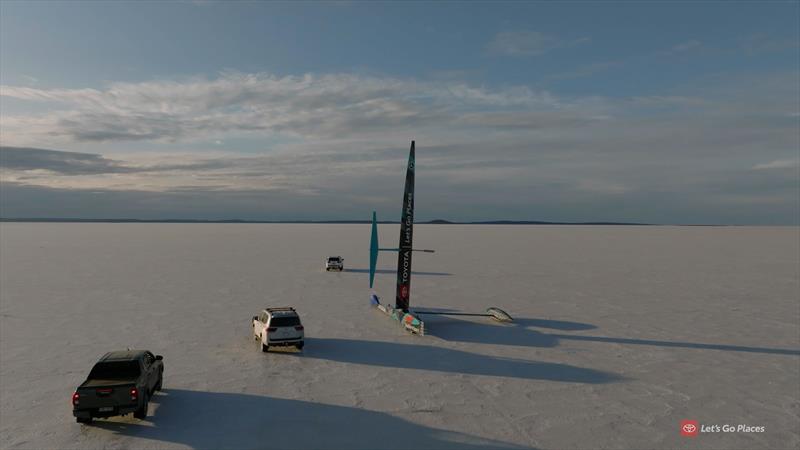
(349, 221)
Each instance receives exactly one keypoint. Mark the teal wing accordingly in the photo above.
(373, 249)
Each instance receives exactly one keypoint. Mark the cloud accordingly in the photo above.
(76, 163)
(586, 70)
(779, 164)
(561, 171)
(483, 153)
(683, 47)
(200, 3)
(465, 190)
(528, 43)
(29, 79)
(66, 163)
(304, 106)
(760, 43)
(529, 120)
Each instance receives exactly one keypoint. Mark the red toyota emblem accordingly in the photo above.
(689, 428)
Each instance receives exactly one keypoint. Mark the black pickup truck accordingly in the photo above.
(120, 383)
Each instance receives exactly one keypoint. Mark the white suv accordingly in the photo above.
(278, 327)
(335, 263)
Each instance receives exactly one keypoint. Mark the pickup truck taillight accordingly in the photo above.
(298, 328)
(134, 394)
(271, 329)
(76, 399)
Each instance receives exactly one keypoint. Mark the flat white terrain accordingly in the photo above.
(621, 332)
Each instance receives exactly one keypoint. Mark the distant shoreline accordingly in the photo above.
(429, 222)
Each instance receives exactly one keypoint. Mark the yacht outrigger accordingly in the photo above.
(401, 311)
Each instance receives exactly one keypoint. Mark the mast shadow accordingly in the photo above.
(213, 420)
(484, 330)
(520, 333)
(678, 344)
(425, 357)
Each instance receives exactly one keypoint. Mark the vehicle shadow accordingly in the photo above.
(388, 271)
(213, 420)
(484, 330)
(426, 357)
(520, 333)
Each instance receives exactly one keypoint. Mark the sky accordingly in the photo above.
(657, 112)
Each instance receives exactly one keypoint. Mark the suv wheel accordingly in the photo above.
(300, 345)
(86, 420)
(264, 347)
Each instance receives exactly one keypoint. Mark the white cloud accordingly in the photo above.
(306, 106)
(509, 152)
(778, 164)
(32, 81)
(688, 45)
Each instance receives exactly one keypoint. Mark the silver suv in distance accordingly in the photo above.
(334, 263)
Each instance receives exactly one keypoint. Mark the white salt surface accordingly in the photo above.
(621, 333)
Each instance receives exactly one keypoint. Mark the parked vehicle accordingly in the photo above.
(334, 263)
(121, 383)
(278, 327)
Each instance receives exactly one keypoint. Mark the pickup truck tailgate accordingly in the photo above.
(100, 394)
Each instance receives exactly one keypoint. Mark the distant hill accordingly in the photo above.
(530, 222)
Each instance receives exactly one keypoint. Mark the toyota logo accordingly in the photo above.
(690, 428)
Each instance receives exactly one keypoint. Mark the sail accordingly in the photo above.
(373, 249)
(406, 235)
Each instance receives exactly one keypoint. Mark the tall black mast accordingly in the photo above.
(406, 237)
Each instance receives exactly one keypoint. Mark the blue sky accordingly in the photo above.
(72, 44)
(674, 112)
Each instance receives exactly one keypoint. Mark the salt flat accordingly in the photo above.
(621, 333)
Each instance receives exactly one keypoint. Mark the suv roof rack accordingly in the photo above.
(281, 308)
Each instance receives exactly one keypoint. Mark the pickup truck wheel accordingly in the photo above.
(141, 413)
(86, 420)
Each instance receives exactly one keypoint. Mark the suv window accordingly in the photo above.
(284, 321)
(115, 370)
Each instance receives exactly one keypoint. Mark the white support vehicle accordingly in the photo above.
(334, 263)
(278, 327)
